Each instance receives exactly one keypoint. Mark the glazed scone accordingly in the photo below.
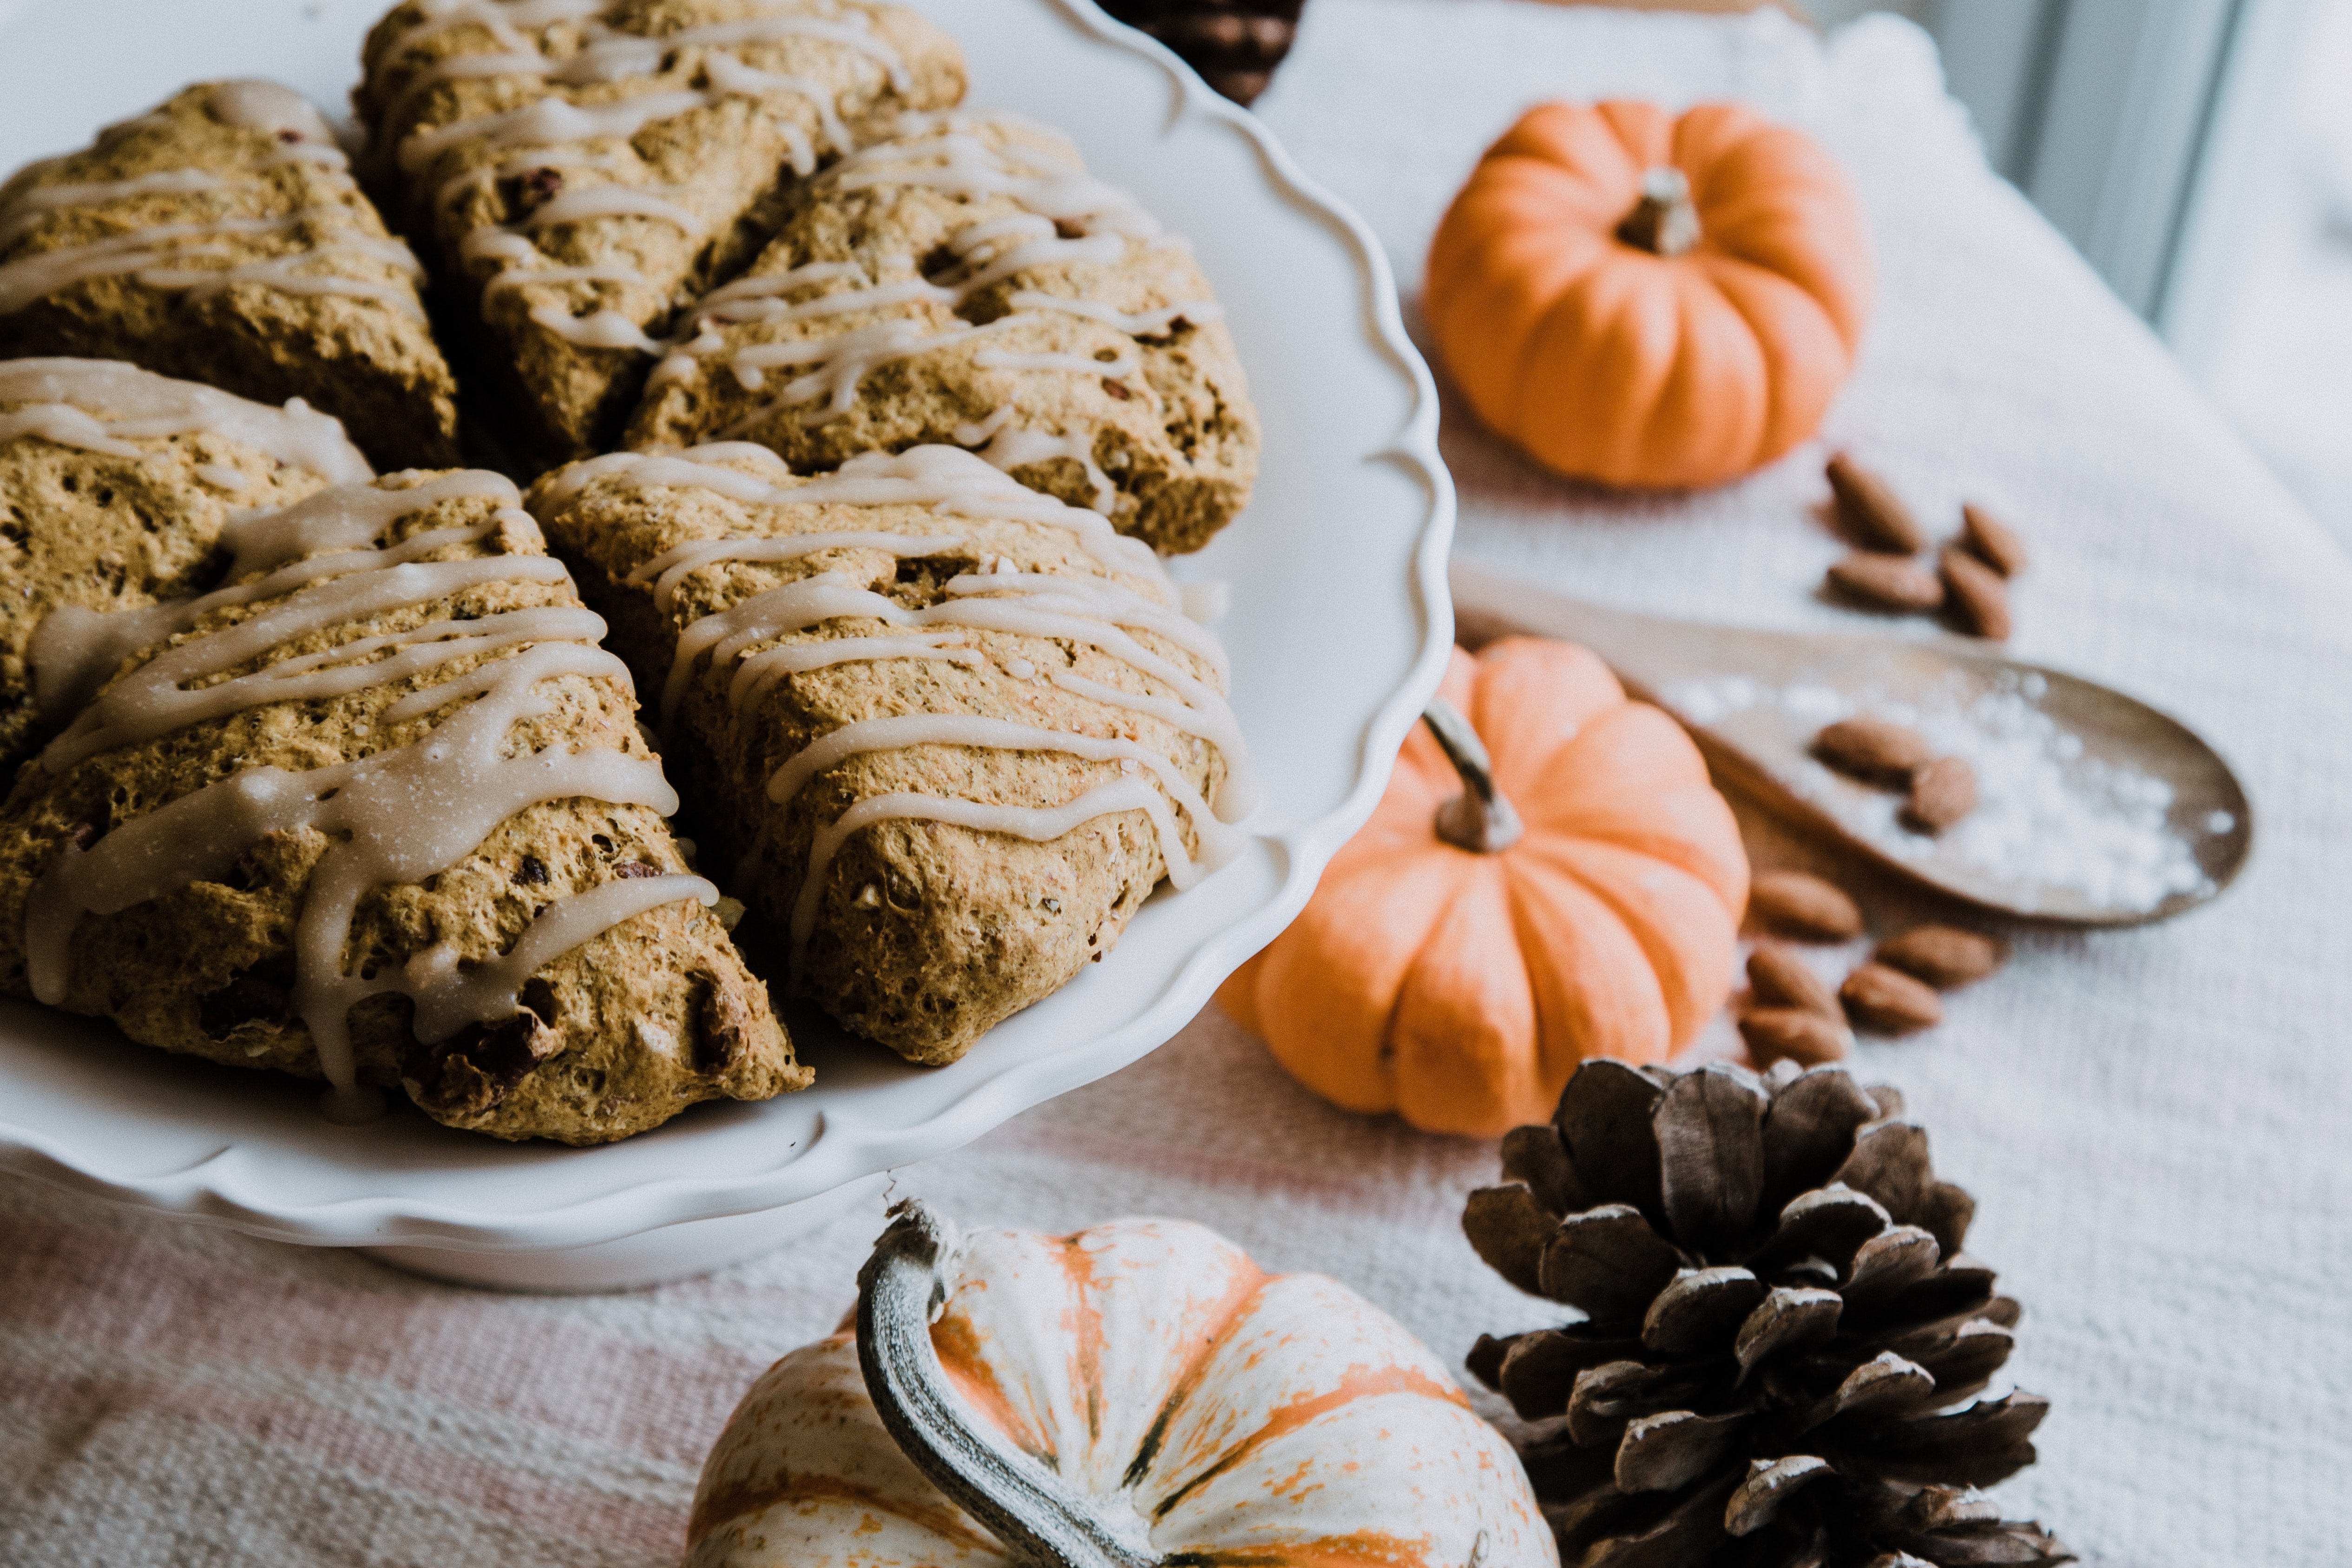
(219, 237)
(948, 731)
(967, 282)
(115, 483)
(579, 170)
(379, 810)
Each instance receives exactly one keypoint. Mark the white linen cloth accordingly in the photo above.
(2154, 1123)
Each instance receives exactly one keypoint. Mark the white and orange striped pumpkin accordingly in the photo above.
(1145, 1385)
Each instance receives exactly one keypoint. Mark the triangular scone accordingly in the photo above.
(580, 169)
(219, 237)
(948, 731)
(966, 281)
(380, 810)
(115, 483)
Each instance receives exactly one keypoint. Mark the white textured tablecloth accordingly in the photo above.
(2155, 1122)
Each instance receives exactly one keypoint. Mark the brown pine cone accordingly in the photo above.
(1779, 1323)
(1234, 44)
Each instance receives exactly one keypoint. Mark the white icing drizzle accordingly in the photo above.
(221, 475)
(555, 127)
(267, 106)
(529, 161)
(449, 996)
(328, 158)
(1140, 324)
(150, 251)
(756, 675)
(398, 815)
(29, 207)
(612, 200)
(602, 329)
(1000, 446)
(944, 478)
(551, 121)
(105, 405)
(669, 568)
(1076, 364)
(1067, 217)
(515, 277)
(842, 361)
(1094, 611)
(280, 273)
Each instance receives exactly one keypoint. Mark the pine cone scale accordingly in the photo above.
(1700, 1308)
(1888, 1264)
(1789, 1318)
(1710, 1132)
(1610, 1145)
(1536, 1156)
(1829, 1223)
(1609, 1262)
(1538, 1372)
(1667, 1451)
(1510, 1227)
(1769, 1483)
(1809, 1130)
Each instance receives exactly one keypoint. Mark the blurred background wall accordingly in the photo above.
(2199, 153)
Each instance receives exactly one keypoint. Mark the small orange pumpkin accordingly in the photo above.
(1455, 974)
(1647, 300)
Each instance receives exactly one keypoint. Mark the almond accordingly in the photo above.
(1991, 541)
(1888, 1000)
(1869, 512)
(1794, 1034)
(1941, 794)
(1875, 750)
(1780, 980)
(1802, 904)
(1977, 596)
(1887, 583)
(1944, 956)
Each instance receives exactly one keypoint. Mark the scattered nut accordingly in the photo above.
(1802, 904)
(1977, 596)
(1794, 1034)
(1991, 541)
(1868, 510)
(1888, 1000)
(1780, 980)
(1875, 750)
(1893, 582)
(1944, 956)
(1941, 794)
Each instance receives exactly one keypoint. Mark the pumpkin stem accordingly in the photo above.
(1029, 1508)
(1479, 818)
(1663, 223)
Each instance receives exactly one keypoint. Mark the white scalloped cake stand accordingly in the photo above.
(1339, 629)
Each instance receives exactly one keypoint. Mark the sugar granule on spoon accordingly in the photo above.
(2049, 818)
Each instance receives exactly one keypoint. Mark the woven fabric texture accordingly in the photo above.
(2154, 1123)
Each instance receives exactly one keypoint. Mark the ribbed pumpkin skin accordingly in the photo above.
(1272, 1421)
(1460, 990)
(1607, 363)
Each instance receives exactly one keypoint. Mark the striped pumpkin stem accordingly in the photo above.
(1038, 1518)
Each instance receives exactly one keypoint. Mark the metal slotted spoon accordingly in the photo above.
(2101, 810)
